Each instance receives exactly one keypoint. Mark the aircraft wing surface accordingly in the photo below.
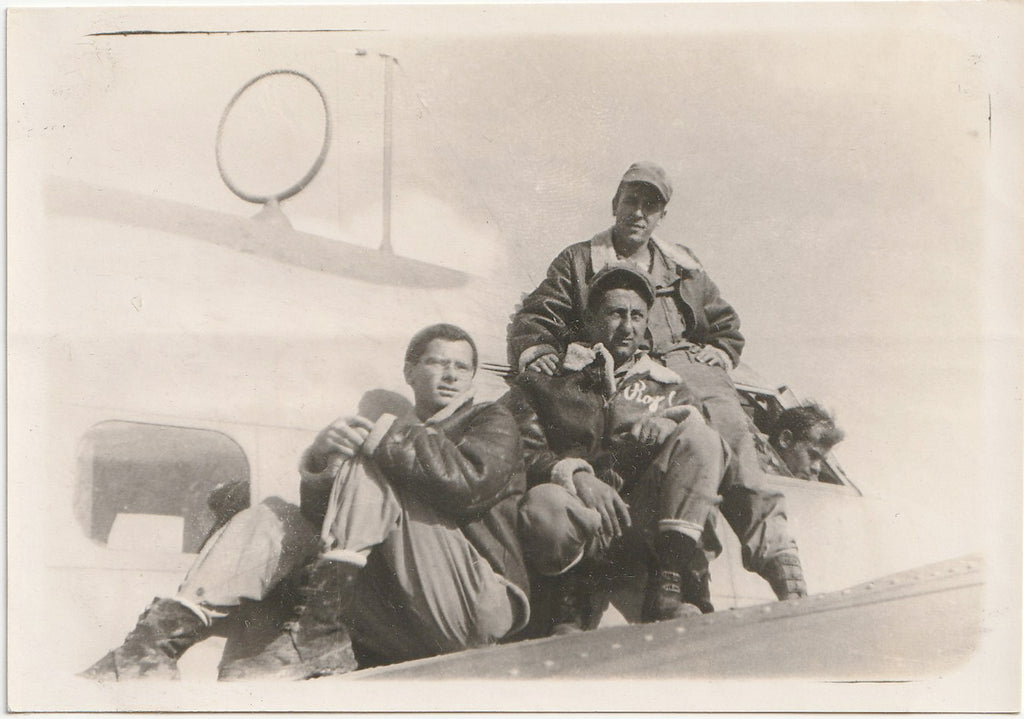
(913, 624)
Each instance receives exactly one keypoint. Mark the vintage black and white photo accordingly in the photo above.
(526, 351)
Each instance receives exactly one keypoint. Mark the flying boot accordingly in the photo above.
(151, 650)
(785, 575)
(315, 642)
(577, 600)
(697, 586)
(674, 583)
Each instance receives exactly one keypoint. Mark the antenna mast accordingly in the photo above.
(385, 243)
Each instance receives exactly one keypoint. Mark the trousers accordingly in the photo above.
(424, 590)
(694, 471)
(714, 390)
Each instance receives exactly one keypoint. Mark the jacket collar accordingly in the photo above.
(642, 363)
(602, 252)
(579, 356)
(449, 410)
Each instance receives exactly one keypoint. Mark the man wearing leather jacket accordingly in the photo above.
(405, 546)
(625, 470)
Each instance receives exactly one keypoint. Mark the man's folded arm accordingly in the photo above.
(547, 318)
(459, 479)
(723, 323)
(538, 456)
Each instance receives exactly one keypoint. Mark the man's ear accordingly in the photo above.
(407, 372)
(786, 438)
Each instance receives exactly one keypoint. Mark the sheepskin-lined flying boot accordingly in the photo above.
(151, 650)
(672, 586)
(785, 575)
(315, 643)
(577, 601)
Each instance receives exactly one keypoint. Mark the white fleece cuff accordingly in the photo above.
(564, 469)
(532, 353)
(380, 428)
(333, 463)
(690, 529)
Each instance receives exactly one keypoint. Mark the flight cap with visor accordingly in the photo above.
(650, 174)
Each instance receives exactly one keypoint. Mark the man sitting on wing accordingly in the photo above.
(624, 472)
(417, 554)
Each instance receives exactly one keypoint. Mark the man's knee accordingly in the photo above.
(284, 514)
(275, 523)
(695, 443)
(250, 555)
(728, 417)
(495, 617)
(554, 528)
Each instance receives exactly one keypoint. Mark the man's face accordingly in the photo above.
(804, 457)
(638, 210)
(443, 373)
(618, 322)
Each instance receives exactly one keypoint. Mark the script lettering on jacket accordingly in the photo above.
(637, 392)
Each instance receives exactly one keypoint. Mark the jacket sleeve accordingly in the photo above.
(459, 479)
(537, 455)
(723, 322)
(315, 484)
(548, 319)
(543, 464)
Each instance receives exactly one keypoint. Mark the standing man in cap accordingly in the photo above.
(692, 329)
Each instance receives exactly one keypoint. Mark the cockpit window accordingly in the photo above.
(145, 479)
(762, 411)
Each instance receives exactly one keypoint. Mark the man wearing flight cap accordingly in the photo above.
(691, 328)
(624, 472)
